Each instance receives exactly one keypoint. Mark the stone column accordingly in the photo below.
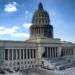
(33, 53)
(8, 54)
(26, 53)
(4, 54)
(19, 58)
(12, 53)
(29, 53)
(52, 52)
(19, 54)
(55, 51)
(16, 54)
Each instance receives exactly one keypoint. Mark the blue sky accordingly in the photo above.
(16, 16)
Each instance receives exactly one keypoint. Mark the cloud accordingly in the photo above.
(21, 36)
(10, 7)
(27, 25)
(4, 30)
(13, 33)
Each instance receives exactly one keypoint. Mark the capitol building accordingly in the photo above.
(40, 47)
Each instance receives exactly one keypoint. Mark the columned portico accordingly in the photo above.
(17, 54)
(67, 51)
(50, 52)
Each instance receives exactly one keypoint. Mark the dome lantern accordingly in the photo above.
(40, 6)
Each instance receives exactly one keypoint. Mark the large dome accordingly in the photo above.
(40, 16)
(41, 23)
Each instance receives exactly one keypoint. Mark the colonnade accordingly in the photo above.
(50, 52)
(19, 54)
(66, 51)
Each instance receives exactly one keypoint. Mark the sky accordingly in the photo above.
(16, 17)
